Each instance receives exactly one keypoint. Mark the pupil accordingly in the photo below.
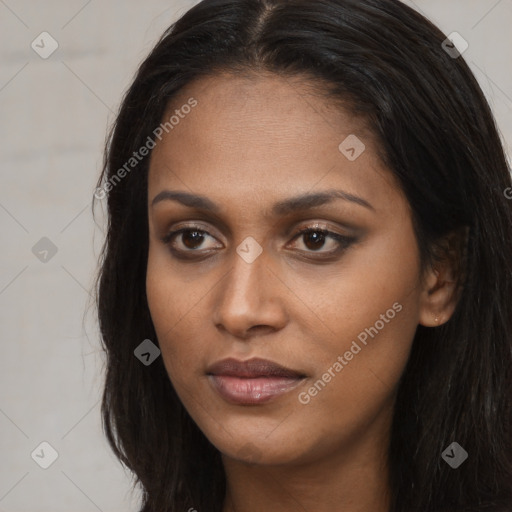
(318, 239)
(196, 238)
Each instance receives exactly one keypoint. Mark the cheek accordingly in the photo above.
(168, 303)
(357, 383)
(371, 311)
(176, 302)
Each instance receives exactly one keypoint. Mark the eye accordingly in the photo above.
(188, 239)
(316, 238)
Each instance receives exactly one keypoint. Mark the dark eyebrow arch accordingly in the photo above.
(187, 199)
(307, 201)
(281, 208)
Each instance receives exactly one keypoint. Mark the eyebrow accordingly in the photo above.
(281, 208)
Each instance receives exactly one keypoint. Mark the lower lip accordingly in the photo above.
(246, 391)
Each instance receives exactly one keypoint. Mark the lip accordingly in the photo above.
(252, 382)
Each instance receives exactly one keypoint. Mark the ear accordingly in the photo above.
(443, 280)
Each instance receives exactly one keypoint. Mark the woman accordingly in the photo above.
(304, 295)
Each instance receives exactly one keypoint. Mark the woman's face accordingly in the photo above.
(338, 310)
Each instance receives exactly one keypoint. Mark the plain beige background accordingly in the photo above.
(54, 116)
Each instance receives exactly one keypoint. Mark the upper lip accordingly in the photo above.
(255, 367)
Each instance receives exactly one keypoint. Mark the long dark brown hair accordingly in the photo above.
(436, 133)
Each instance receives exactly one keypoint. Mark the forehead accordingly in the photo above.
(262, 136)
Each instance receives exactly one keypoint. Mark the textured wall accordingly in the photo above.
(54, 115)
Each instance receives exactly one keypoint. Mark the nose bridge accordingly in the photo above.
(248, 296)
(248, 275)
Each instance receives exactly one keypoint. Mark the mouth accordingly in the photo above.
(252, 382)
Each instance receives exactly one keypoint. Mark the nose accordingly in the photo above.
(251, 299)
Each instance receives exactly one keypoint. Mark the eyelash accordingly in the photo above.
(343, 241)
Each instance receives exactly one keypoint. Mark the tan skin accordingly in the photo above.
(249, 143)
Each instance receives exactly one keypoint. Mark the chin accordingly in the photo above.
(278, 449)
